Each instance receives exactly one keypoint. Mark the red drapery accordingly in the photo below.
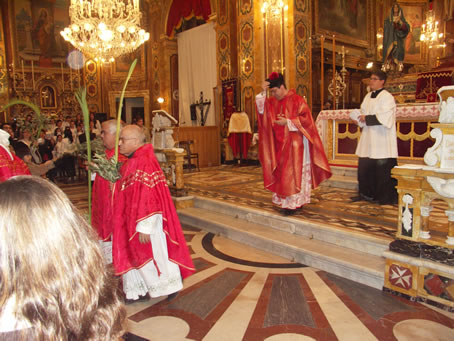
(186, 9)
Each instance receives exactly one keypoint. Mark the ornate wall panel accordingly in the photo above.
(300, 55)
(91, 77)
(3, 69)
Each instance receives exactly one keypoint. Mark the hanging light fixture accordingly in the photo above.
(105, 29)
(429, 33)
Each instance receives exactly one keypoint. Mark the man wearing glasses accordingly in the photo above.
(149, 249)
(377, 147)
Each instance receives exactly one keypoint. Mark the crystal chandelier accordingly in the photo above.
(105, 29)
(429, 33)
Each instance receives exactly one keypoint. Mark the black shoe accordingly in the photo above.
(357, 198)
(171, 297)
(288, 212)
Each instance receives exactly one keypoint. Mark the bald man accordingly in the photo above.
(101, 218)
(149, 248)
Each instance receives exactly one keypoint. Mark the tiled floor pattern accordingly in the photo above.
(240, 293)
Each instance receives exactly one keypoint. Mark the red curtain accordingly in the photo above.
(186, 9)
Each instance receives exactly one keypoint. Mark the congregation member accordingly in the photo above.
(10, 164)
(145, 130)
(290, 149)
(149, 248)
(55, 284)
(377, 147)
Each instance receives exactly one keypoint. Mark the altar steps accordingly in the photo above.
(343, 177)
(349, 254)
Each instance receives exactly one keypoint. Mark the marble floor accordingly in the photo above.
(240, 293)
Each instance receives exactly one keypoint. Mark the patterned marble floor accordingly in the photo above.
(240, 293)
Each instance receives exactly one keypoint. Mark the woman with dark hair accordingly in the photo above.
(55, 284)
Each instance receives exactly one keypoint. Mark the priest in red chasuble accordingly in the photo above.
(101, 218)
(149, 249)
(290, 149)
(10, 164)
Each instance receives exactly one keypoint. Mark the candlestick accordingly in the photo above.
(33, 76)
(14, 77)
(23, 72)
(62, 78)
(322, 70)
(71, 77)
(334, 72)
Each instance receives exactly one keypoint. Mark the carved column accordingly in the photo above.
(425, 213)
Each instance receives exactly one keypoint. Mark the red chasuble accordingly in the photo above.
(10, 167)
(281, 151)
(142, 192)
(101, 218)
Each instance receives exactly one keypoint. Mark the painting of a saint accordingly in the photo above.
(37, 30)
(414, 15)
(43, 33)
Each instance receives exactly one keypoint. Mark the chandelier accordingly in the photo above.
(429, 33)
(105, 29)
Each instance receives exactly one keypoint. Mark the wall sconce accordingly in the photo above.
(274, 35)
(160, 100)
(369, 65)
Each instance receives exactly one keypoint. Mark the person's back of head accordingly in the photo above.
(51, 265)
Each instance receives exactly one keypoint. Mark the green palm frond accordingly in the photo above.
(40, 119)
(120, 105)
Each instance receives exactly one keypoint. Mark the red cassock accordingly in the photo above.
(11, 165)
(281, 151)
(101, 218)
(142, 192)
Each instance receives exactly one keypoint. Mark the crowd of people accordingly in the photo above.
(54, 153)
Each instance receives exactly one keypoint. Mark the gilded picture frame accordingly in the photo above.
(120, 66)
(349, 21)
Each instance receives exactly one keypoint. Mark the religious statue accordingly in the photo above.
(395, 32)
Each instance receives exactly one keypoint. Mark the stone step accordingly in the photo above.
(355, 240)
(343, 177)
(291, 239)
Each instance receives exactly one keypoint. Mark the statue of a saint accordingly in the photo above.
(395, 31)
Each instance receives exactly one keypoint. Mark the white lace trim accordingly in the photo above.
(304, 196)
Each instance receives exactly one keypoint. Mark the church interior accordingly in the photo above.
(335, 270)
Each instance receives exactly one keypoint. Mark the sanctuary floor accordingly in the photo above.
(241, 293)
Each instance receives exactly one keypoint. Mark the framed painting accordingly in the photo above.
(350, 21)
(414, 15)
(36, 27)
(120, 66)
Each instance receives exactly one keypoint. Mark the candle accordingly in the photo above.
(71, 78)
(62, 78)
(334, 72)
(23, 72)
(33, 76)
(14, 77)
(322, 71)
